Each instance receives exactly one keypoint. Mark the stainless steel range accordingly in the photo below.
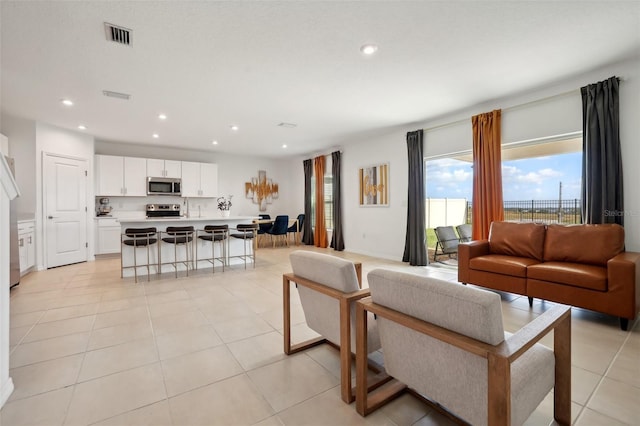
(163, 210)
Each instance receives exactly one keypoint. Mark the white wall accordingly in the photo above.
(381, 231)
(22, 147)
(58, 141)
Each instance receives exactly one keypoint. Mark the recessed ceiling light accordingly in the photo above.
(162, 116)
(368, 49)
(284, 145)
(82, 127)
(155, 136)
(214, 143)
(67, 102)
(234, 128)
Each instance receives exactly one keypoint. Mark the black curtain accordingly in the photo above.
(337, 239)
(415, 251)
(307, 229)
(602, 196)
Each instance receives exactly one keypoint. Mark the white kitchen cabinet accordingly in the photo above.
(108, 236)
(199, 179)
(120, 176)
(26, 245)
(164, 168)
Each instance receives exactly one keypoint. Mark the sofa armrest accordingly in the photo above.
(623, 276)
(466, 252)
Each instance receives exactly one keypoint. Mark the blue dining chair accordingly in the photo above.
(296, 228)
(263, 227)
(279, 229)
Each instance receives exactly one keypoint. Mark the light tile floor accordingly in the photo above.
(90, 348)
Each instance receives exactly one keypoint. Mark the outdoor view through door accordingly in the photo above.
(541, 183)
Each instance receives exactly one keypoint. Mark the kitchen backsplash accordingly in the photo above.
(135, 207)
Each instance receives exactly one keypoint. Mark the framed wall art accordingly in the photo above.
(374, 185)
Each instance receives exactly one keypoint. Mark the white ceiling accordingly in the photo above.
(208, 65)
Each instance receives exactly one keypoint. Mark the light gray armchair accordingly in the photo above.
(446, 344)
(328, 287)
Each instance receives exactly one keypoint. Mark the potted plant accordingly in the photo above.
(224, 205)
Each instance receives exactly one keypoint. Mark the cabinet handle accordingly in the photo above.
(30, 239)
(21, 242)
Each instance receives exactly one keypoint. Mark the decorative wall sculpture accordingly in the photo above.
(261, 190)
(374, 185)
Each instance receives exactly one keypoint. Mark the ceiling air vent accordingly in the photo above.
(118, 34)
(118, 95)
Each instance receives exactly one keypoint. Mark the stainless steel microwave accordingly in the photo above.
(164, 186)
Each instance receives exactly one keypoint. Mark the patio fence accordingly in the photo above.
(539, 211)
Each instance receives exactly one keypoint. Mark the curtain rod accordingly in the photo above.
(326, 155)
(514, 107)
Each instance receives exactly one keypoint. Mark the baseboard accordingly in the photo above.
(5, 393)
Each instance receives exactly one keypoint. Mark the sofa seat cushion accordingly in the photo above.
(501, 264)
(591, 277)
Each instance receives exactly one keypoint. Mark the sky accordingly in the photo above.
(526, 179)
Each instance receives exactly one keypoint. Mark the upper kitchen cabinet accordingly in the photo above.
(120, 176)
(199, 179)
(164, 168)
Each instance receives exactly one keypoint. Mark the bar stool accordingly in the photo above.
(179, 235)
(216, 234)
(139, 237)
(246, 232)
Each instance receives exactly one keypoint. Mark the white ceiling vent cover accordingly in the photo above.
(118, 34)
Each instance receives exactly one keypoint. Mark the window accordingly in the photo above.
(541, 183)
(328, 196)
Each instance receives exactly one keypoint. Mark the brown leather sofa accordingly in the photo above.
(580, 265)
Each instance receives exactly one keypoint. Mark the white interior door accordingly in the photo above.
(65, 226)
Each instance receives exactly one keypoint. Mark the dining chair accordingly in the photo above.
(296, 228)
(263, 227)
(279, 229)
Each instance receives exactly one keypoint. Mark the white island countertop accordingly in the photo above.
(145, 221)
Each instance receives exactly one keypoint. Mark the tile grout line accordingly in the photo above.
(602, 377)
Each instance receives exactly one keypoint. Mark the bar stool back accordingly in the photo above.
(246, 232)
(179, 235)
(139, 237)
(216, 234)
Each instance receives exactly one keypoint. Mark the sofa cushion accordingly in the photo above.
(591, 244)
(501, 264)
(591, 277)
(517, 239)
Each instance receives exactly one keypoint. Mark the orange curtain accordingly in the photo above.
(487, 173)
(320, 234)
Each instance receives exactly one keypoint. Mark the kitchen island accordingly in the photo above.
(235, 245)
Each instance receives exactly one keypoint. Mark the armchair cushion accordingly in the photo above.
(322, 312)
(447, 374)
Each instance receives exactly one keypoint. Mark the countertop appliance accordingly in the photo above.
(164, 186)
(163, 210)
(104, 209)
(14, 252)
